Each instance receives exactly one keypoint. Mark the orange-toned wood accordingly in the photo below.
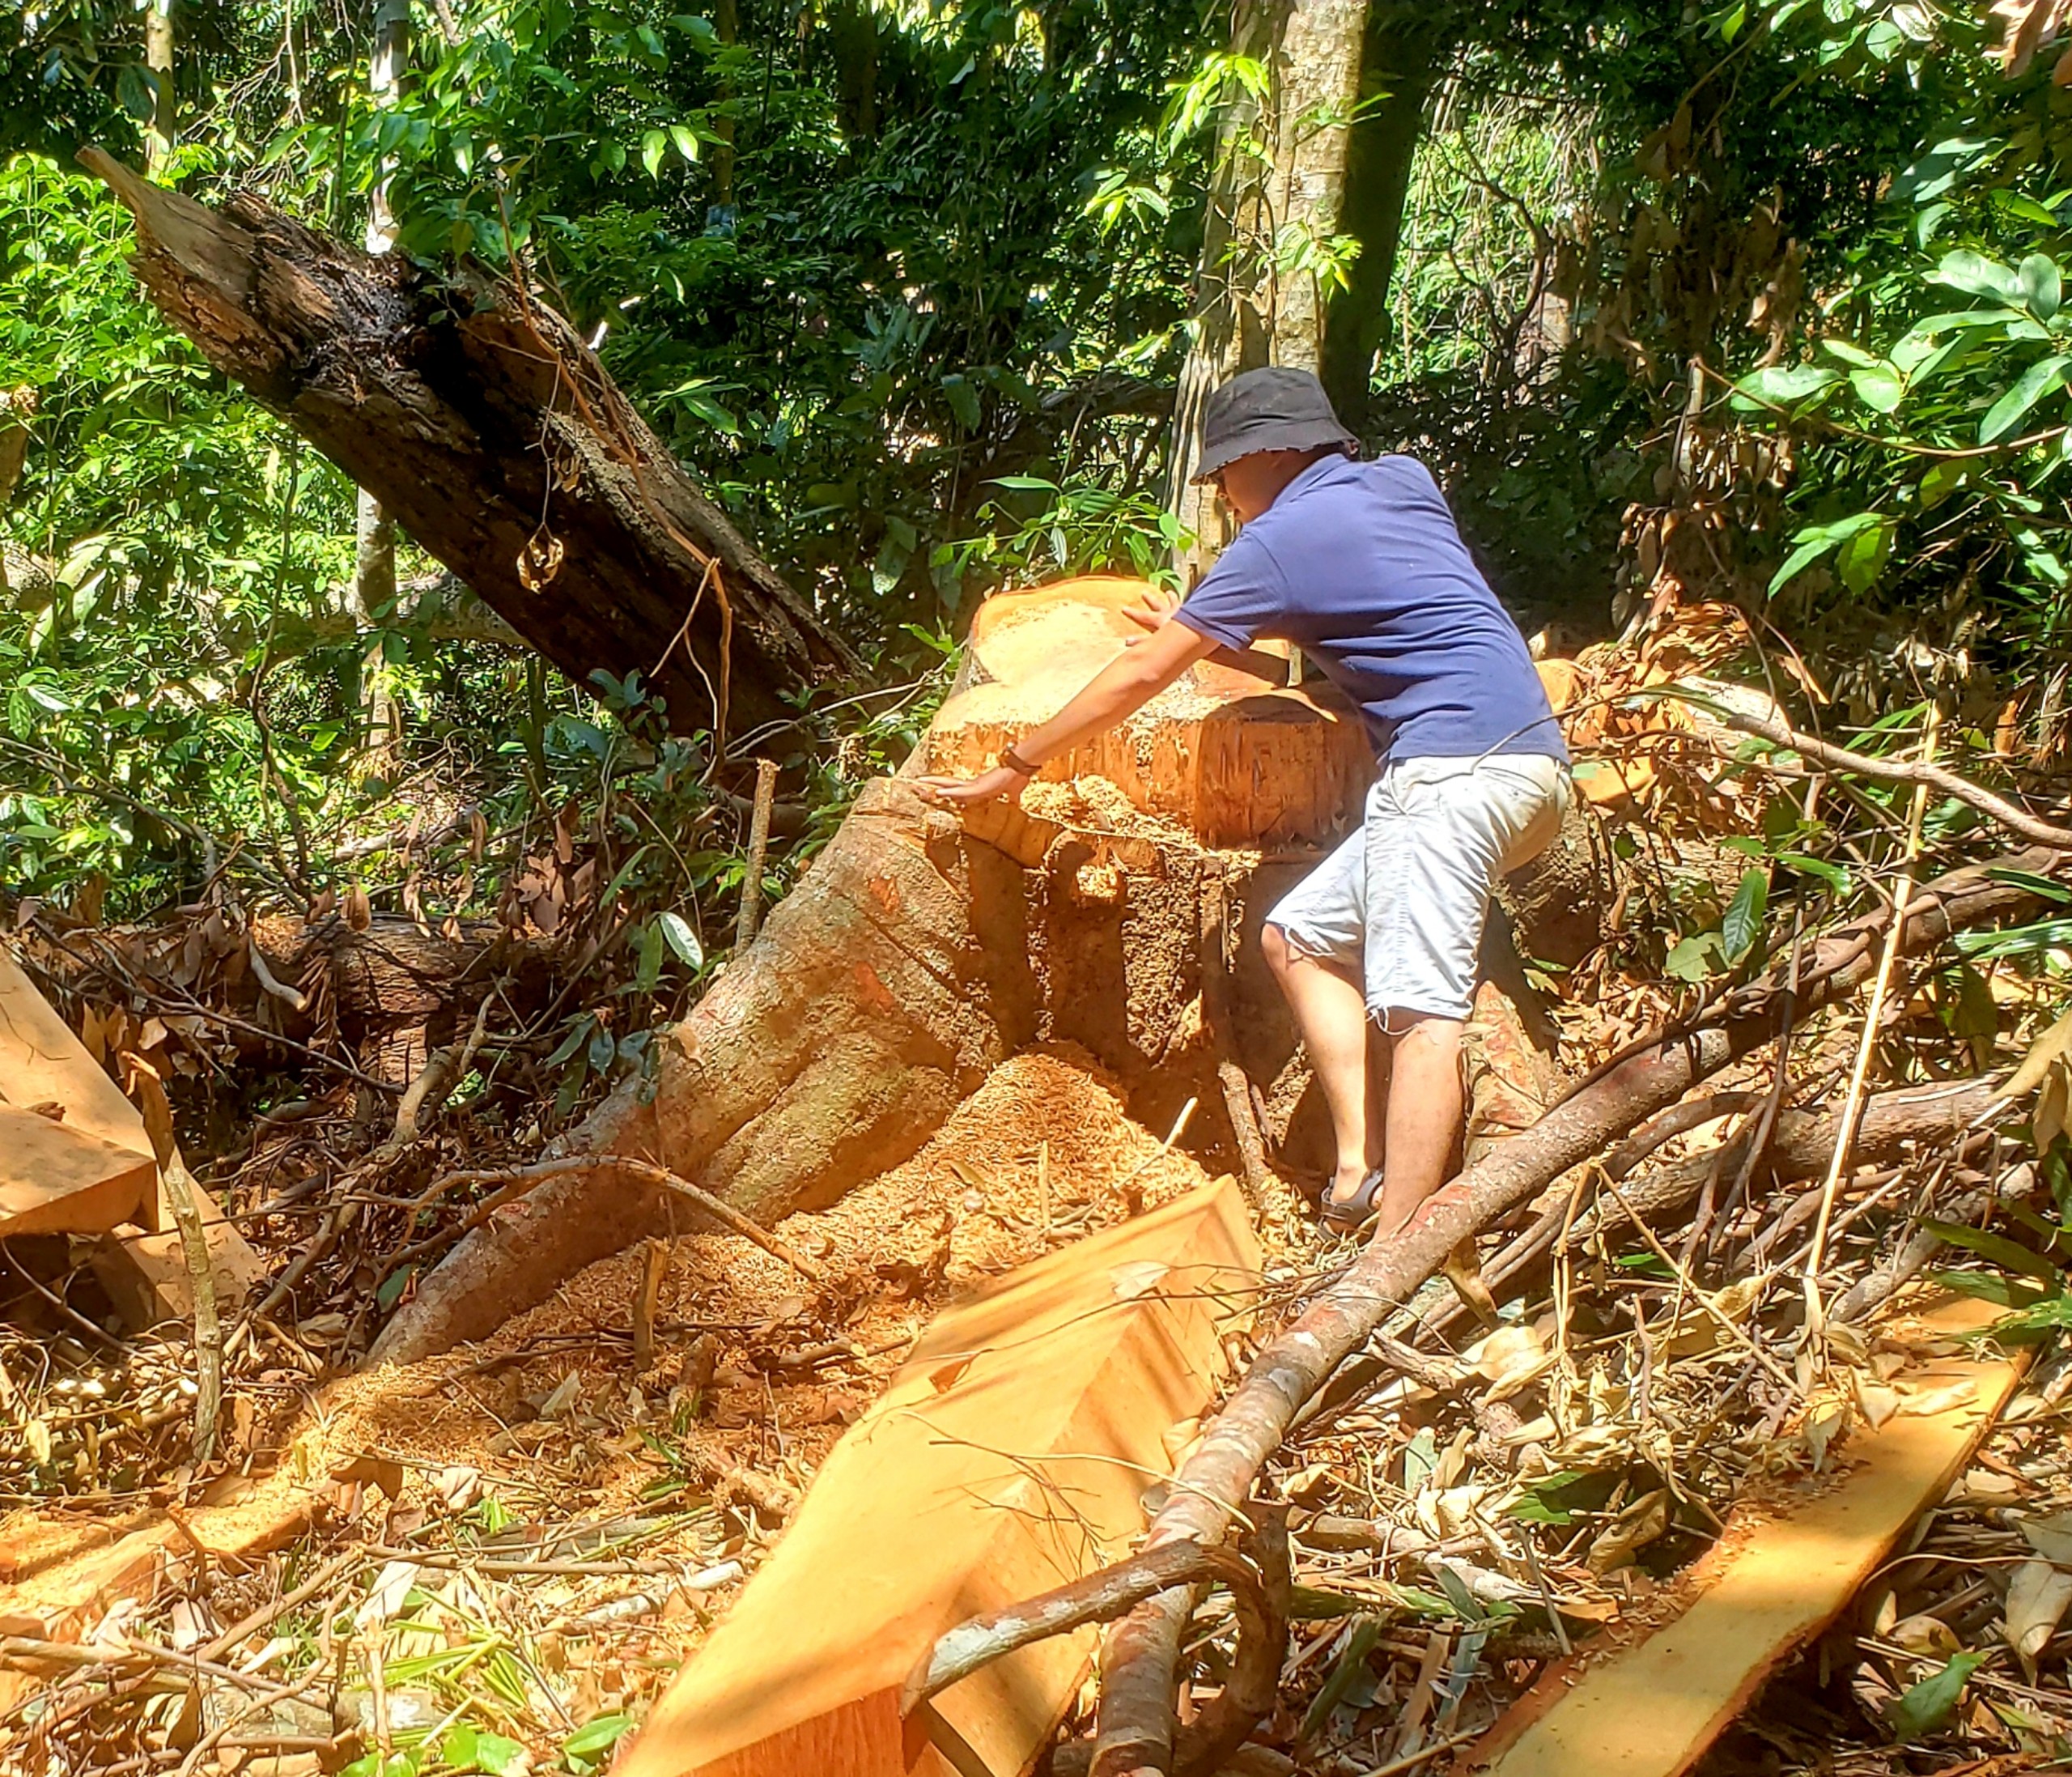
(1237, 760)
(57, 1180)
(42, 1062)
(1008, 1456)
(1780, 1574)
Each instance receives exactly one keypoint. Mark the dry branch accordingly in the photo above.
(2018, 821)
(517, 1181)
(1139, 1685)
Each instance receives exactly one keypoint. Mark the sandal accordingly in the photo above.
(1349, 1215)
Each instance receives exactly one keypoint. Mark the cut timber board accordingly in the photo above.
(1008, 1456)
(57, 1179)
(1774, 1582)
(42, 1062)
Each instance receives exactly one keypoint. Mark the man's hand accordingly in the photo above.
(966, 792)
(1153, 615)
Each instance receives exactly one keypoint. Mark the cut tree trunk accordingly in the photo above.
(919, 951)
(491, 433)
(1234, 757)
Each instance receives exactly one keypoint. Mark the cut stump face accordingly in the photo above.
(1238, 761)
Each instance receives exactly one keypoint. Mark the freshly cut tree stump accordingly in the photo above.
(1236, 759)
(1008, 1457)
(876, 996)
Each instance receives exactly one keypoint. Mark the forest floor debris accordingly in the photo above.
(511, 1547)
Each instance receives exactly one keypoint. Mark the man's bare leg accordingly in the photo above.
(1425, 1109)
(1331, 1011)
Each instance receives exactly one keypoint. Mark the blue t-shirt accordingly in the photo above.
(1361, 566)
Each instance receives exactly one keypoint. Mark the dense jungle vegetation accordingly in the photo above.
(1759, 305)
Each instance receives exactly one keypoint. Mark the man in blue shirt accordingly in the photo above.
(1361, 566)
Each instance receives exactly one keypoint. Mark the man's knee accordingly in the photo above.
(1428, 1031)
(1275, 947)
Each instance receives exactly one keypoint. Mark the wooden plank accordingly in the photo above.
(42, 1062)
(57, 1180)
(1009, 1456)
(1780, 1574)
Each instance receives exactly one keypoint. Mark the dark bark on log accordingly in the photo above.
(1295, 1364)
(491, 432)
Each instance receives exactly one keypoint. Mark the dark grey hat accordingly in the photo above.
(1278, 408)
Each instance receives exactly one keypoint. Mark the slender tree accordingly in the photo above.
(374, 566)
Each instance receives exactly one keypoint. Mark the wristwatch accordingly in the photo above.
(1014, 762)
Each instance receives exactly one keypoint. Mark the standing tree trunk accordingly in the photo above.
(1276, 198)
(491, 432)
(374, 560)
(1402, 60)
(158, 57)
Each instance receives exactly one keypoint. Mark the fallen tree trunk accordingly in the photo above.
(1138, 1668)
(481, 422)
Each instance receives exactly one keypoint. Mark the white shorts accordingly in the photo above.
(1402, 902)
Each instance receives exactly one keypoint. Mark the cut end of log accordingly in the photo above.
(1236, 760)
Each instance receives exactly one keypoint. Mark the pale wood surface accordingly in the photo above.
(1009, 1456)
(1237, 760)
(1776, 1579)
(57, 1180)
(41, 1062)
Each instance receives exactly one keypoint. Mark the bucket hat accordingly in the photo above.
(1277, 408)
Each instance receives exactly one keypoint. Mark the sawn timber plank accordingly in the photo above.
(57, 1180)
(1009, 1456)
(1775, 1579)
(42, 1062)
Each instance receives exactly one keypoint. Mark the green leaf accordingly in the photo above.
(2040, 283)
(2006, 413)
(653, 146)
(686, 138)
(1880, 387)
(1931, 1705)
(1815, 541)
(1864, 554)
(1849, 354)
(1941, 480)
(1785, 386)
(649, 970)
(963, 400)
(1833, 875)
(1743, 925)
(1691, 960)
(1976, 275)
(596, 1737)
(2010, 1254)
(676, 933)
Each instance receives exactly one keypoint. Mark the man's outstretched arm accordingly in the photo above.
(1124, 686)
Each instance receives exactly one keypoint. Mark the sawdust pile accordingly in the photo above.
(757, 1369)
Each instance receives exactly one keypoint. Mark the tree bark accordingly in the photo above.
(490, 433)
(158, 57)
(1402, 65)
(1277, 167)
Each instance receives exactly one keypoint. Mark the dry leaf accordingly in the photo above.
(1633, 1530)
(2037, 1598)
(1929, 1636)
(2051, 1538)
(1507, 1352)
